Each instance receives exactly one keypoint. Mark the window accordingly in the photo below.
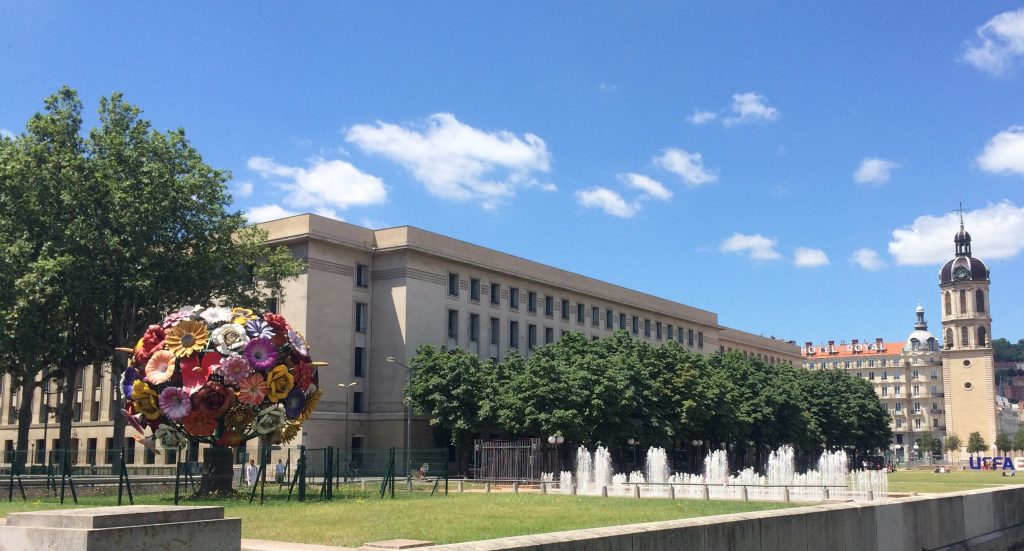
(94, 410)
(700, 339)
(513, 298)
(513, 334)
(549, 306)
(885, 391)
(914, 373)
(362, 275)
(657, 330)
(982, 336)
(622, 321)
(689, 338)
(949, 303)
(636, 325)
(949, 337)
(935, 374)
(453, 284)
(979, 300)
(647, 328)
(670, 334)
(474, 288)
(885, 375)
(453, 324)
(361, 317)
(531, 336)
(935, 406)
(565, 309)
(97, 376)
(917, 407)
(581, 312)
(965, 337)
(358, 369)
(679, 337)
(474, 328)
(357, 402)
(90, 451)
(917, 423)
(129, 450)
(531, 302)
(899, 422)
(899, 406)
(549, 335)
(897, 390)
(608, 321)
(595, 316)
(935, 423)
(495, 293)
(495, 324)
(963, 301)
(871, 375)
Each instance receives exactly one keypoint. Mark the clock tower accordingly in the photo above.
(967, 363)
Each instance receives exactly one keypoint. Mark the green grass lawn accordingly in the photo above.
(357, 518)
(929, 482)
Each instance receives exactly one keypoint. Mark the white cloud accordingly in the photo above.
(325, 184)
(456, 161)
(804, 257)
(701, 117)
(262, 213)
(650, 187)
(867, 258)
(241, 189)
(1004, 152)
(750, 107)
(606, 200)
(997, 231)
(5, 133)
(757, 246)
(873, 170)
(688, 166)
(999, 44)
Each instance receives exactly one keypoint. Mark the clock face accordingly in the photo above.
(961, 272)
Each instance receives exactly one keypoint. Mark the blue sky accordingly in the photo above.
(792, 167)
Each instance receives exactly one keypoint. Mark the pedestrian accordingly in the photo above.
(251, 471)
(279, 472)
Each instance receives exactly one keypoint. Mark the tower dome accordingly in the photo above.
(921, 338)
(963, 267)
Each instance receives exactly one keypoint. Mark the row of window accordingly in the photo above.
(917, 424)
(630, 323)
(979, 302)
(916, 410)
(965, 336)
(514, 332)
(897, 390)
(848, 364)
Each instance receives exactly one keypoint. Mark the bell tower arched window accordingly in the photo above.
(965, 336)
(963, 301)
(979, 300)
(949, 303)
(982, 336)
(949, 338)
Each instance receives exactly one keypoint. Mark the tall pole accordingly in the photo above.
(348, 406)
(408, 413)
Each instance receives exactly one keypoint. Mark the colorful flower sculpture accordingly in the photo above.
(220, 376)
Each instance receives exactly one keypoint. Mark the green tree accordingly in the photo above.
(845, 410)
(975, 443)
(455, 389)
(1018, 441)
(1005, 351)
(953, 443)
(929, 445)
(1003, 442)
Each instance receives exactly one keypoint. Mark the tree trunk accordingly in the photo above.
(66, 413)
(24, 423)
(218, 472)
(117, 367)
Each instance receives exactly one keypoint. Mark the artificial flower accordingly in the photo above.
(175, 403)
(303, 374)
(160, 367)
(279, 383)
(150, 342)
(269, 419)
(257, 328)
(187, 337)
(277, 322)
(128, 378)
(242, 315)
(213, 399)
(239, 417)
(145, 400)
(289, 432)
(199, 423)
(195, 372)
(298, 343)
(261, 354)
(311, 402)
(234, 368)
(252, 389)
(148, 442)
(183, 313)
(229, 338)
(294, 403)
(229, 439)
(171, 438)
(217, 314)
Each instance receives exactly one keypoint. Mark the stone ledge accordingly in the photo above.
(270, 545)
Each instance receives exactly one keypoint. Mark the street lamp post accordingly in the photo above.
(633, 444)
(408, 414)
(697, 445)
(348, 406)
(555, 440)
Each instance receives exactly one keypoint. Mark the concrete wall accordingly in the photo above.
(979, 519)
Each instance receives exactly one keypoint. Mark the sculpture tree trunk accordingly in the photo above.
(218, 471)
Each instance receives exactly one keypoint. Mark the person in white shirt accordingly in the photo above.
(251, 471)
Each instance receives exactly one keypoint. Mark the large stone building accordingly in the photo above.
(370, 295)
(907, 376)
